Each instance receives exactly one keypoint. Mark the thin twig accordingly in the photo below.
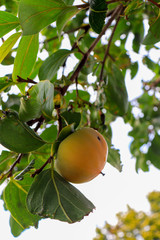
(108, 46)
(82, 6)
(10, 171)
(37, 171)
(86, 55)
(152, 85)
(22, 80)
(84, 26)
(40, 122)
(59, 118)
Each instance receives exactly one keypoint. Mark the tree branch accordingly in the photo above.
(22, 80)
(59, 118)
(108, 46)
(37, 171)
(86, 55)
(10, 171)
(155, 3)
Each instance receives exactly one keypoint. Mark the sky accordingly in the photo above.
(110, 193)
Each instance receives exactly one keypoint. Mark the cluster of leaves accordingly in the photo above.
(135, 225)
(54, 95)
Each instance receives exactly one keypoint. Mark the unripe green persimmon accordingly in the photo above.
(82, 155)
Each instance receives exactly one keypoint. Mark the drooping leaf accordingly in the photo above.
(14, 196)
(51, 65)
(66, 14)
(34, 16)
(39, 101)
(116, 93)
(7, 22)
(8, 44)
(114, 157)
(51, 196)
(26, 57)
(97, 14)
(18, 136)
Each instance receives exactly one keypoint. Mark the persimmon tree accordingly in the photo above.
(53, 84)
(134, 225)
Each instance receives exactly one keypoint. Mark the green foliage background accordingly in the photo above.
(53, 97)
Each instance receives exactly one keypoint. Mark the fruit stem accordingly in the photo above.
(103, 174)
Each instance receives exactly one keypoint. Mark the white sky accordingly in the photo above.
(110, 194)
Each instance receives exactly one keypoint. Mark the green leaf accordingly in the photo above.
(153, 36)
(51, 65)
(45, 95)
(88, 67)
(154, 152)
(13, 103)
(68, 2)
(65, 132)
(51, 196)
(36, 68)
(7, 22)
(39, 101)
(116, 93)
(34, 16)
(30, 108)
(66, 14)
(26, 57)
(8, 60)
(8, 44)
(134, 69)
(114, 157)
(18, 136)
(71, 117)
(14, 196)
(72, 96)
(6, 159)
(16, 229)
(5, 82)
(141, 162)
(97, 14)
(49, 134)
(150, 39)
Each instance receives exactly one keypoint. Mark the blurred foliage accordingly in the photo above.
(133, 225)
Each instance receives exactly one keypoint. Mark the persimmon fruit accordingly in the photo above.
(82, 155)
